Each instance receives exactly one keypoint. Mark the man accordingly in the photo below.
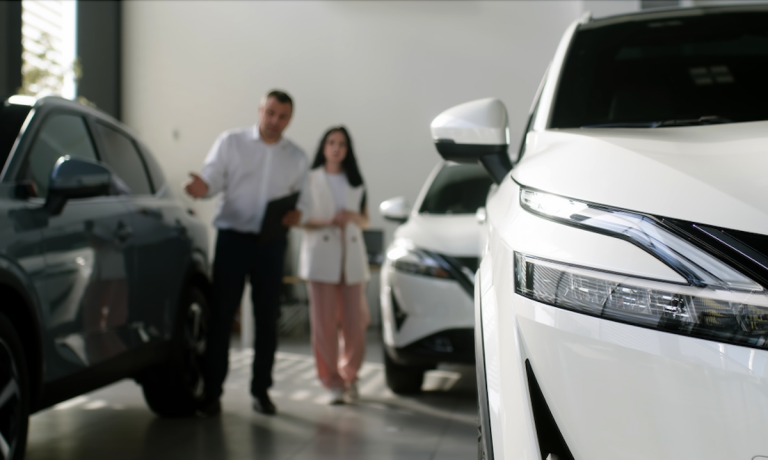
(250, 167)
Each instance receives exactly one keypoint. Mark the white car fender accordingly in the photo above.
(510, 413)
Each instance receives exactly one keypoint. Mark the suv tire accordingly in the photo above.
(401, 379)
(14, 393)
(176, 390)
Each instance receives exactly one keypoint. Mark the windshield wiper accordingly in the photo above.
(706, 120)
(639, 124)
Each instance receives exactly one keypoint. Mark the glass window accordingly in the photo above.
(155, 172)
(122, 157)
(457, 189)
(703, 69)
(12, 118)
(61, 135)
(48, 40)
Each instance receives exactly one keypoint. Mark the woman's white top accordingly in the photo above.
(338, 183)
(324, 256)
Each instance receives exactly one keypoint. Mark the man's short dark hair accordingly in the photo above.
(281, 96)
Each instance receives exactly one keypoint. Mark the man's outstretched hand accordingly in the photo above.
(196, 187)
(292, 218)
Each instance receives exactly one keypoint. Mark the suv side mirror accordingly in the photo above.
(473, 132)
(74, 178)
(395, 209)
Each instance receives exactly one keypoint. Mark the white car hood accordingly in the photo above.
(716, 174)
(454, 235)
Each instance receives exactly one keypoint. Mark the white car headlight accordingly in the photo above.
(408, 259)
(718, 302)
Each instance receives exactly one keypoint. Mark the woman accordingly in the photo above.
(334, 262)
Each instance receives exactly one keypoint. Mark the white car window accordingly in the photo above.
(457, 189)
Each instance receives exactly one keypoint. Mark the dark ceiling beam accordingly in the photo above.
(10, 48)
(99, 51)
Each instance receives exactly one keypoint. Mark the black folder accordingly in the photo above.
(272, 227)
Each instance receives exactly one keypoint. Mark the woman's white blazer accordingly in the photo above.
(324, 256)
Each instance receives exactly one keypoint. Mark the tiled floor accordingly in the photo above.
(114, 423)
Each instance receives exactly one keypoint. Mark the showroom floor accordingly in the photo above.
(114, 423)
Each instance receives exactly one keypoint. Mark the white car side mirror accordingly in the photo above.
(481, 215)
(476, 131)
(395, 209)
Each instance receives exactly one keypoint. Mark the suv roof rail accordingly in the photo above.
(22, 99)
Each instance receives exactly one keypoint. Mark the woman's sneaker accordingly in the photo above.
(336, 397)
(351, 394)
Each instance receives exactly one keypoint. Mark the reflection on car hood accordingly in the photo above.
(710, 174)
(454, 235)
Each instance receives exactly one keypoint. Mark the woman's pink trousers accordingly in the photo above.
(339, 315)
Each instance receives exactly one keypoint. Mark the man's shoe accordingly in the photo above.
(209, 408)
(262, 403)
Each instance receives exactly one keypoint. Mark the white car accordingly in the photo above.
(427, 279)
(621, 298)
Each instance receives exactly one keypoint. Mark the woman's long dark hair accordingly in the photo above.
(349, 164)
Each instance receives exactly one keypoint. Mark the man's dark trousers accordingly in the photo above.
(240, 255)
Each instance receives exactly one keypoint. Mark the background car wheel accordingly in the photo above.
(176, 389)
(403, 379)
(14, 394)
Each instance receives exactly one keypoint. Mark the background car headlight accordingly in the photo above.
(717, 303)
(417, 262)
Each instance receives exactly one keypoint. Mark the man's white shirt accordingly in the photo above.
(250, 173)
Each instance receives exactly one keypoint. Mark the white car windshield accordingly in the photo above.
(457, 189)
(677, 71)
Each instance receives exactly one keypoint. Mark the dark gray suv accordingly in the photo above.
(103, 273)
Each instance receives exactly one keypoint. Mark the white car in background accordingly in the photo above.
(427, 280)
(621, 300)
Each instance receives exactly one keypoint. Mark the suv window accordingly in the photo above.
(121, 155)
(11, 120)
(457, 189)
(155, 173)
(671, 72)
(62, 134)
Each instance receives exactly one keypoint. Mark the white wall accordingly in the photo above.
(193, 69)
(601, 8)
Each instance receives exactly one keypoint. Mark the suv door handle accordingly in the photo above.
(123, 232)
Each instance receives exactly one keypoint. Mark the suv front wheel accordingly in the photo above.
(177, 389)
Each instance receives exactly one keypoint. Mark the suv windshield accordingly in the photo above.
(11, 119)
(457, 189)
(703, 69)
